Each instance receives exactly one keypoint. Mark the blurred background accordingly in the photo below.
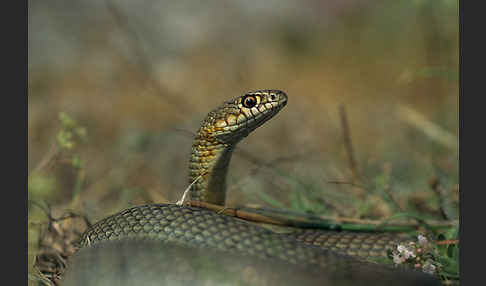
(118, 88)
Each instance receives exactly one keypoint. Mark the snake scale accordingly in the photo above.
(150, 244)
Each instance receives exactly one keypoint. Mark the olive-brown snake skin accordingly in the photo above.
(151, 243)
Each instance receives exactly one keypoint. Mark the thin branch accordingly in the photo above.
(310, 221)
(235, 212)
(51, 156)
(448, 242)
(348, 144)
(67, 215)
(45, 209)
(337, 182)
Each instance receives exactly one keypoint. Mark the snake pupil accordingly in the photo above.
(249, 101)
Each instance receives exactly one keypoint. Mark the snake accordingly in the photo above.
(150, 244)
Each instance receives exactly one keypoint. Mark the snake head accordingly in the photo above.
(238, 117)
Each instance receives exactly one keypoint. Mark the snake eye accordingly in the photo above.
(249, 101)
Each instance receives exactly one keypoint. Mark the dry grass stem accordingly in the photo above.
(183, 198)
(348, 144)
(47, 161)
(429, 128)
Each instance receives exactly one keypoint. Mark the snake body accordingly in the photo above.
(196, 229)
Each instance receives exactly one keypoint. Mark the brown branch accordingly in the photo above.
(336, 182)
(67, 215)
(448, 242)
(348, 144)
(302, 219)
(235, 213)
(52, 155)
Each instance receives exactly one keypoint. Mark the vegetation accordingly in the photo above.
(370, 131)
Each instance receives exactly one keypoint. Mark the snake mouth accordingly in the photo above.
(283, 99)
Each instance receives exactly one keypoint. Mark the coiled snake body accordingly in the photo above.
(163, 236)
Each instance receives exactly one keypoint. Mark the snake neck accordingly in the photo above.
(209, 165)
(219, 133)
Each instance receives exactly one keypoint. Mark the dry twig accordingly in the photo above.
(51, 156)
(234, 212)
(305, 220)
(348, 144)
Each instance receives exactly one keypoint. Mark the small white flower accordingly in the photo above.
(401, 248)
(422, 240)
(405, 252)
(398, 259)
